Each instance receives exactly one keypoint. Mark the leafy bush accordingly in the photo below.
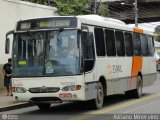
(157, 38)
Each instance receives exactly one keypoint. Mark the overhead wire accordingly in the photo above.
(146, 13)
(115, 7)
(126, 8)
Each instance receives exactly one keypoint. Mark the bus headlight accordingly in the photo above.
(72, 88)
(20, 90)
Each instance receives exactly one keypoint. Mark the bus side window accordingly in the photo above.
(99, 38)
(137, 44)
(151, 45)
(88, 45)
(110, 42)
(120, 43)
(91, 52)
(144, 45)
(128, 43)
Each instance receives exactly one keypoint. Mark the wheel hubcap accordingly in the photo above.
(100, 95)
(140, 87)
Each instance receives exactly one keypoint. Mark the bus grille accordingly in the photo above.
(46, 99)
(44, 89)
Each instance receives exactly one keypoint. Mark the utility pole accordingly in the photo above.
(49, 2)
(95, 7)
(136, 14)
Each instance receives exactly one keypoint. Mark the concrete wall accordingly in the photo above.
(10, 12)
(1, 77)
(13, 10)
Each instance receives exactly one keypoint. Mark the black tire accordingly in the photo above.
(97, 103)
(137, 93)
(44, 106)
(138, 90)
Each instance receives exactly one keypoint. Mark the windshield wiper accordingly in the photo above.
(59, 31)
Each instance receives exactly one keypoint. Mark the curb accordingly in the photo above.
(16, 106)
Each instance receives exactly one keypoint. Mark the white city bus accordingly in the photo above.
(79, 58)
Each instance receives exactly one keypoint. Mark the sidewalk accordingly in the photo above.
(9, 103)
(4, 99)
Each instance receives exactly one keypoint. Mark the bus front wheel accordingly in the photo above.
(97, 103)
(44, 106)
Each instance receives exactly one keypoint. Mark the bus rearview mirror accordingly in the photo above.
(7, 44)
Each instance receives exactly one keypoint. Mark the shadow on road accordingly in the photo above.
(81, 107)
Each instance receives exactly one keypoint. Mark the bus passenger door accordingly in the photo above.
(88, 53)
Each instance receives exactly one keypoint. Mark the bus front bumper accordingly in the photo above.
(50, 97)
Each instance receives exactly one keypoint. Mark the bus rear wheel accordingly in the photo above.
(97, 103)
(44, 106)
(138, 91)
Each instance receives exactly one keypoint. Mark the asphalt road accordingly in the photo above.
(115, 107)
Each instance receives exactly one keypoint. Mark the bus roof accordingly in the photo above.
(86, 17)
(110, 23)
(97, 20)
(100, 18)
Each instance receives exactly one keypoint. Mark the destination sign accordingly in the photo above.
(47, 23)
(25, 25)
(55, 23)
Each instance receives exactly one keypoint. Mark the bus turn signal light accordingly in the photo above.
(72, 88)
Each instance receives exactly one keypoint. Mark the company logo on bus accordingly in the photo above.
(111, 69)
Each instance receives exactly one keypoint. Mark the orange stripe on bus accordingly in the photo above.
(136, 67)
(138, 30)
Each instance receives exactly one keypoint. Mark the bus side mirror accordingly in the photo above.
(7, 46)
(7, 43)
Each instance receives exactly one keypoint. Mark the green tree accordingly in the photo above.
(74, 7)
(37, 1)
(157, 29)
(69, 7)
(102, 9)
(157, 38)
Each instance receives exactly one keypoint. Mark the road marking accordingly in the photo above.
(140, 107)
(102, 111)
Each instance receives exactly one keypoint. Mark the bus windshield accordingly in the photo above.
(47, 53)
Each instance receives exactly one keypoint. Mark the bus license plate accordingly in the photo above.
(65, 95)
